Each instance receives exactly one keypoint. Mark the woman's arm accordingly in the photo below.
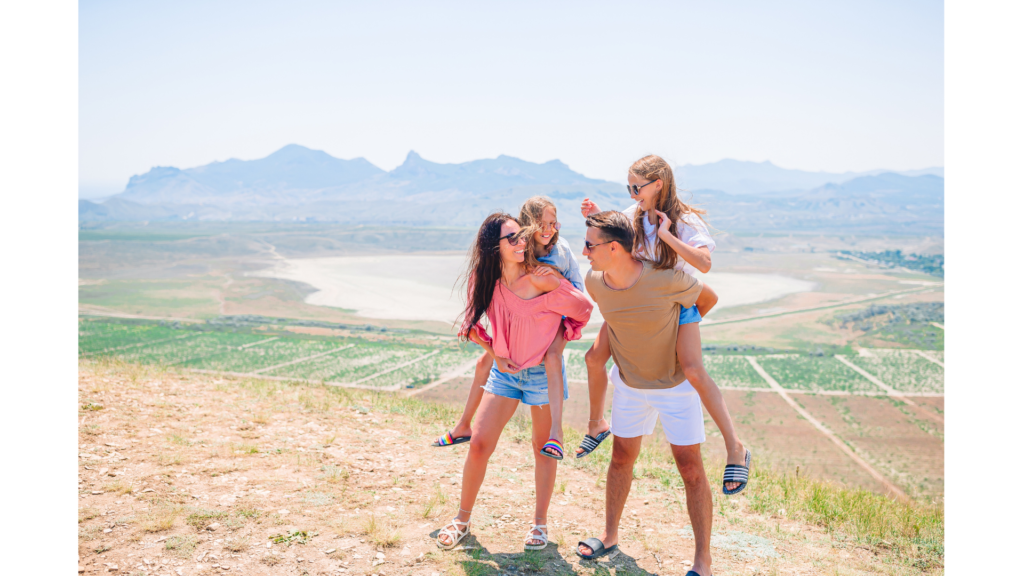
(504, 364)
(699, 258)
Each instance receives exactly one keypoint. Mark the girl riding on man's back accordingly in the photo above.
(671, 234)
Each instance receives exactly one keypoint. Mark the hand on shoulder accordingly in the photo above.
(544, 278)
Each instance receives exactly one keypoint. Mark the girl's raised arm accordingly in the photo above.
(588, 208)
(699, 258)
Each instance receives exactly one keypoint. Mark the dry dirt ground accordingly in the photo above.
(184, 474)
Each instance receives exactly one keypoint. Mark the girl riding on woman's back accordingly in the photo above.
(545, 253)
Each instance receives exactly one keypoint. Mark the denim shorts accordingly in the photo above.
(688, 315)
(530, 386)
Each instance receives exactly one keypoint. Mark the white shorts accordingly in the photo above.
(636, 411)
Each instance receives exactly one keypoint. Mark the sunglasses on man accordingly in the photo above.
(633, 189)
(589, 246)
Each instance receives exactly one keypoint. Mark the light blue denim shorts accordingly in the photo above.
(529, 386)
(688, 315)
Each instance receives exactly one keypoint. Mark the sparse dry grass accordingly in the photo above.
(320, 466)
(181, 546)
(161, 518)
(382, 532)
(87, 513)
(118, 487)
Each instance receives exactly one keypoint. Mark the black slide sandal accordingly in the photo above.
(597, 548)
(736, 473)
(589, 444)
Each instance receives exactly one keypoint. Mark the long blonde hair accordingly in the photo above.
(653, 167)
(530, 216)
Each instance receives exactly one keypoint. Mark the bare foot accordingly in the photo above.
(738, 455)
(702, 568)
(608, 541)
(555, 434)
(463, 429)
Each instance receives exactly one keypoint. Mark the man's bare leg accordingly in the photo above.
(620, 479)
(698, 503)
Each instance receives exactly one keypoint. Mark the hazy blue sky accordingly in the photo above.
(811, 85)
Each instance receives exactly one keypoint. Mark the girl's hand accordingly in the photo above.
(588, 208)
(663, 225)
(505, 366)
(543, 271)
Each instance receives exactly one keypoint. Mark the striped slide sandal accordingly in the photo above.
(736, 473)
(589, 443)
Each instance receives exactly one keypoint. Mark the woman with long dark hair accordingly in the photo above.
(525, 311)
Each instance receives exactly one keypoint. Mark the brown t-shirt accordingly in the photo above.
(643, 322)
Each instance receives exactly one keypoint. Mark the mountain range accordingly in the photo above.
(299, 184)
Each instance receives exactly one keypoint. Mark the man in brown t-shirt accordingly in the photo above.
(640, 305)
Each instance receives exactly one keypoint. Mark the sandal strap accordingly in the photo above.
(735, 473)
(552, 443)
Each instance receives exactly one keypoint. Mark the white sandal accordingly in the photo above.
(455, 536)
(543, 537)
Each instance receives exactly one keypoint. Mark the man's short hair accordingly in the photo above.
(614, 227)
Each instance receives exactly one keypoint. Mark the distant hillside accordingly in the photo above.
(299, 184)
(740, 177)
(884, 204)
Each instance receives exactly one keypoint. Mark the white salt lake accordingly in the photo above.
(423, 287)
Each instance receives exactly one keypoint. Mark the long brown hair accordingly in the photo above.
(529, 218)
(653, 167)
(483, 271)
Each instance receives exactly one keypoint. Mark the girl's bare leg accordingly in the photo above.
(476, 393)
(597, 382)
(689, 354)
(495, 412)
(553, 369)
(545, 469)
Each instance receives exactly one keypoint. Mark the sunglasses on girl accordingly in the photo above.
(556, 226)
(633, 189)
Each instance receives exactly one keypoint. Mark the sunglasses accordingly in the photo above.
(513, 237)
(555, 226)
(633, 189)
(589, 246)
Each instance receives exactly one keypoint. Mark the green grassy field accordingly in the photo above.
(407, 360)
(815, 373)
(273, 351)
(904, 370)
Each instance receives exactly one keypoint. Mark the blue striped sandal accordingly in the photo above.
(589, 444)
(736, 473)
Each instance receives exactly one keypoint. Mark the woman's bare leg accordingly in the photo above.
(689, 354)
(495, 412)
(597, 382)
(553, 369)
(545, 469)
(476, 393)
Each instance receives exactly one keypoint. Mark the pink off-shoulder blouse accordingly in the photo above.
(523, 329)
